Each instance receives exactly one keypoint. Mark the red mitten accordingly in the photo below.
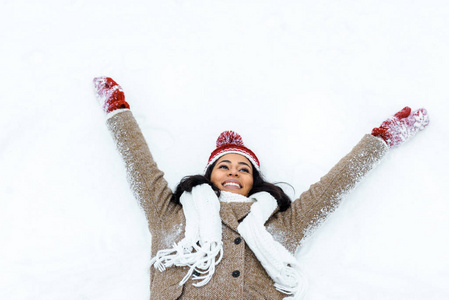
(402, 126)
(109, 94)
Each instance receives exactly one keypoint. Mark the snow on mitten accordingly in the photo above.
(109, 94)
(402, 126)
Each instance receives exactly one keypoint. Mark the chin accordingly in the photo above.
(239, 192)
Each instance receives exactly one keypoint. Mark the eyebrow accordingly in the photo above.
(228, 161)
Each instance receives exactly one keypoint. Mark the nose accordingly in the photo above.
(233, 172)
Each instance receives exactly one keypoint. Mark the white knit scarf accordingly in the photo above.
(202, 248)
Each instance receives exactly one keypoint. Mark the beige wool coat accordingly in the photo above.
(239, 275)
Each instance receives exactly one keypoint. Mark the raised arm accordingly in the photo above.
(325, 195)
(146, 180)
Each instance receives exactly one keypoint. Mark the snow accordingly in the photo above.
(301, 81)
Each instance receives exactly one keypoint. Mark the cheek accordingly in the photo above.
(214, 177)
(249, 181)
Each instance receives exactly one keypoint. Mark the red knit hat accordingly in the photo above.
(231, 142)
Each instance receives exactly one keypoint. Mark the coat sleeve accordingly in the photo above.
(146, 180)
(324, 196)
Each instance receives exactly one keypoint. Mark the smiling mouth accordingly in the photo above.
(232, 185)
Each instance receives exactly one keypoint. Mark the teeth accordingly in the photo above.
(231, 183)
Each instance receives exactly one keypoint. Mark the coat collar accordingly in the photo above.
(233, 213)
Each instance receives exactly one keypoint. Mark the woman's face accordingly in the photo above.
(233, 173)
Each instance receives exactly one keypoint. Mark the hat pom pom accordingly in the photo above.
(229, 138)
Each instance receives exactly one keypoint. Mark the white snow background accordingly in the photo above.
(301, 81)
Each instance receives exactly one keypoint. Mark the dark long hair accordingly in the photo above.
(259, 185)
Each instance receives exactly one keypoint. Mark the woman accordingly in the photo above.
(228, 234)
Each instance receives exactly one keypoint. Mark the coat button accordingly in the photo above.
(236, 274)
(237, 241)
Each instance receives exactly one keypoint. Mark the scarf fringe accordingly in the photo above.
(199, 259)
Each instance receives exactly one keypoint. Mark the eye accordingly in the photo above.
(223, 167)
(245, 170)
